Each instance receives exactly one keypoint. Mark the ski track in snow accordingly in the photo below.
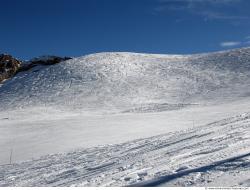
(197, 156)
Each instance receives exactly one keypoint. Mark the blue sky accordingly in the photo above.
(31, 28)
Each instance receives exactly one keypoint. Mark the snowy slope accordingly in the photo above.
(131, 82)
(97, 103)
(202, 156)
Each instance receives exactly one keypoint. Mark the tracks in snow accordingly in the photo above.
(164, 179)
(187, 156)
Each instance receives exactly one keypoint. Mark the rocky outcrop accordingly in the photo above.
(8, 66)
(44, 60)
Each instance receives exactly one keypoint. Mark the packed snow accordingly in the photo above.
(199, 156)
(128, 119)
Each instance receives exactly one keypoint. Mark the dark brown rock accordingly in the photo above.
(8, 66)
(46, 60)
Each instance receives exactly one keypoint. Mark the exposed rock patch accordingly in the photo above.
(44, 60)
(8, 66)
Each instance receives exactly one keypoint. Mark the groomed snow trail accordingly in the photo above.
(201, 155)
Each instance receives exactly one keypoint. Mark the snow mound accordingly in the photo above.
(129, 81)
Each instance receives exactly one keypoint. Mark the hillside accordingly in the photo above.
(115, 119)
(131, 82)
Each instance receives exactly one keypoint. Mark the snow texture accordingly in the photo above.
(199, 156)
(113, 82)
(128, 119)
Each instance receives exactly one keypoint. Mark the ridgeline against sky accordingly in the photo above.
(30, 28)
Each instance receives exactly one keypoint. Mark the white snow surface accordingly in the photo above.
(208, 155)
(115, 119)
(122, 81)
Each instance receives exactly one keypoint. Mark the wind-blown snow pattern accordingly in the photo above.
(123, 81)
(128, 119)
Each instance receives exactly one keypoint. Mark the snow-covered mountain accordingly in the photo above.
(131, 82)
(114, 119)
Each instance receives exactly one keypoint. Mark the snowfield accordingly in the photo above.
(128, 119)
(200, 156)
